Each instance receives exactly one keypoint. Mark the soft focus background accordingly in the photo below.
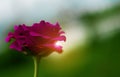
(93, 37)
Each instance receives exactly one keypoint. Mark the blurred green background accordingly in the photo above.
(92, 28)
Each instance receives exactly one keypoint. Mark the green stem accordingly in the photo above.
(36, 65)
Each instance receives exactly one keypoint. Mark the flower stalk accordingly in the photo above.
(36, 60)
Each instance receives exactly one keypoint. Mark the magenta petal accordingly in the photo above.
(58, 48)
(15, 27)
(57, 26)
(60, 38)
(16, 46)
(42, 22)
(48, 45)
(54, 47)
(61, 32)
(8, 38)
(37, 34)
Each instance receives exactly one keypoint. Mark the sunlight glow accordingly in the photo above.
(59, 43)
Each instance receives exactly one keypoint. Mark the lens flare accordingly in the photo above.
(59, 43)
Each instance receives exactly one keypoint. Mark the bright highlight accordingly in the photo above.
(59, 43)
